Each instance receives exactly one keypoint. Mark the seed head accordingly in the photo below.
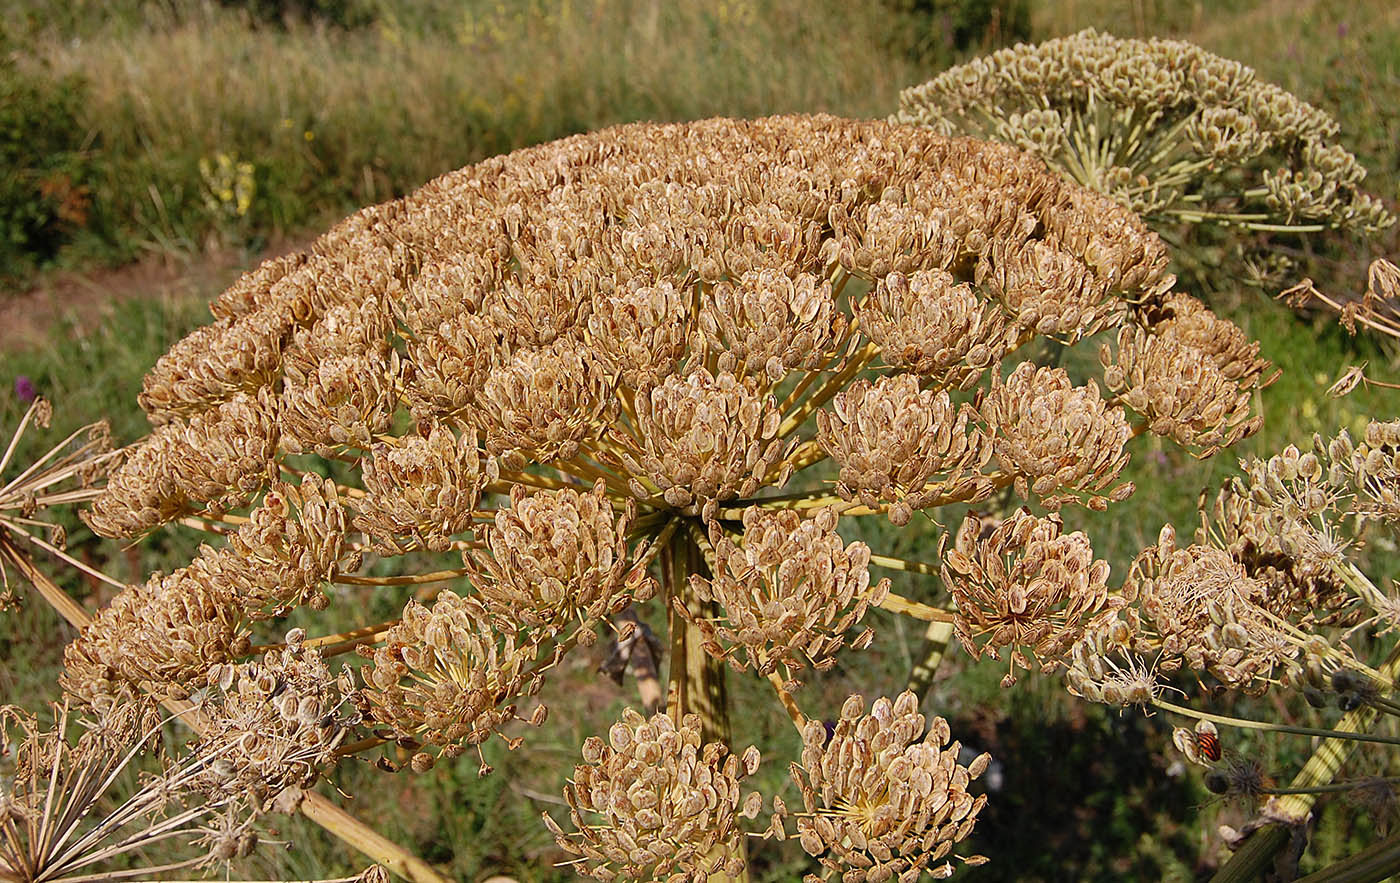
(654, 802)
(556, 562)
(1024, 585)
(883, 797)
(898, 444)
(789, 594)
(1228, 144)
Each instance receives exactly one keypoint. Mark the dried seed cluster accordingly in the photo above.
(1023, 584)
(1163, 126)
(542, 403)
(1198, 608)
(1294, 519)
(789, 594)
(274, 723)
(556, 563)
(1189, 374)
(1058, 440)
(894, 441)
(622, 350)
(340, 381)
(1270, 570)
(162, 636)
(885, 799)
(933, 325)
(445, 676)
(422, 491)
(654, 802)
(704, 438)
(769, 322)
(61, 817)
(219, 460)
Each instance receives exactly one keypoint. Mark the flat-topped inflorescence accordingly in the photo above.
(657, 360)
(1176, 133)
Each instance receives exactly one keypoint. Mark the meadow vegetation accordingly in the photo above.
(302, 112)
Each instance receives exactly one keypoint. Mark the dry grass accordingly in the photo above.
(331, 119)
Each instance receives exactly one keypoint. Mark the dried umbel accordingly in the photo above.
(422, 491)
(557, 562)
(64, 474)
(447, 677)
(883, 798)
(1294, 520)
(642, 331)
(61, 818)
(658, 359)
(274, 723)
(1178, 134)
(218, 460)
(340, 381)
(933, 325)
(789, 595)
(1058, 440)
(69, 812)
(1253, 601)
(766, 321)
(656, 802)
(1189, 374)
(705, 437)
(1201, 610)
(544, 402)
(894, 441)
(161, 637)
(1025, 585)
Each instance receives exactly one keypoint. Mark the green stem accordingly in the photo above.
(1242, 723)
(937, 637)
(1371, 865)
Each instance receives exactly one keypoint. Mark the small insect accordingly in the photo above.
(1207, 741)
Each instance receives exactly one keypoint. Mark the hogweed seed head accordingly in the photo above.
(274, 723)
(933, 325)
(1209, 615)
(705, 437)
(1058, 440)
(618, 355)
(1226, 148)
(653, 801)
(893, 441)
(883, 797)
(789, 594)
(557, 562)
(446, 676)
(1025, 586)
(422, 491)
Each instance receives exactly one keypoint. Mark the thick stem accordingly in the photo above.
(696, 681)
(1375, 863)
(936, 639)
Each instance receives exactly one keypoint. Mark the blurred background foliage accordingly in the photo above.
(167, 131)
